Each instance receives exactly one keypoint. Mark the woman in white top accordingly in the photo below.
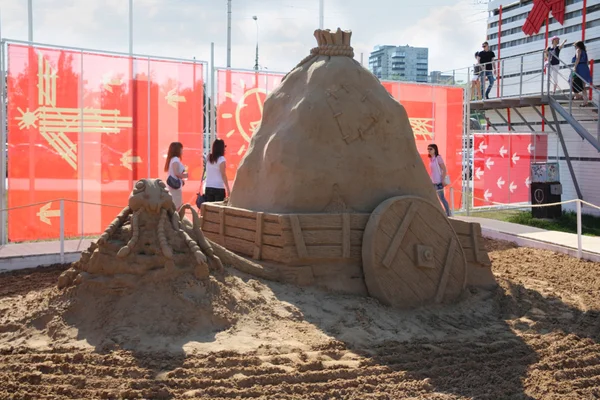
(176, 173)
(217, 185)
(437, 171)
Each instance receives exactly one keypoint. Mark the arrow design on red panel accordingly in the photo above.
(503, 151)
(530, 148)
(500, 183)
(528, 182)
(487, 194)
(515, 158)
(482, 147)
(489, 163)
(512, 187)
(479, 173)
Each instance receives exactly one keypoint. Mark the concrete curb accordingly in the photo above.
(35, 260)
(537, 244)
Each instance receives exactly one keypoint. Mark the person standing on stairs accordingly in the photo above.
(552, 55)
(581, 73)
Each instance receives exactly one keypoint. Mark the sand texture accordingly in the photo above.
(332, 139)
(232, 335)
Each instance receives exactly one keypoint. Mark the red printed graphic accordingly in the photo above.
(241, 97)
(540, 12)
(84, 127)
(502, 166)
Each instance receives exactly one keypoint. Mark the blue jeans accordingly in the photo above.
(439, 188)
(491, 79)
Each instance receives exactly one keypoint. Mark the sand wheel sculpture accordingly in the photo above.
(411, 254)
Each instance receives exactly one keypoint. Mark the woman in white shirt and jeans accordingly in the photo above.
(177, 170)
(216, 185)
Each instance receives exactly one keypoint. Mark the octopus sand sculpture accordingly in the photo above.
(149, 239)
(333, 192)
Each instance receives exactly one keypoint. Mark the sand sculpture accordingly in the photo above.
(148, 238)
(332, 192)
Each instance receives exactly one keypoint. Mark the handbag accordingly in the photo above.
(174, 183)
(446, 180)
(199, 200)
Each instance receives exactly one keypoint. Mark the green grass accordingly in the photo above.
(590, 225)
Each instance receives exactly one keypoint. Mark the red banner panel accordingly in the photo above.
(240, 100)
(436, 116)
(177, 115)
(79, 128)
(44, 121)
(502, 166)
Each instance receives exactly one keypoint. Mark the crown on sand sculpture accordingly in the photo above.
(330, 44)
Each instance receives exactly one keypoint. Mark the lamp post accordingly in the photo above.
(255, 18)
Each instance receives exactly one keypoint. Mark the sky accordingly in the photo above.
(452, 29)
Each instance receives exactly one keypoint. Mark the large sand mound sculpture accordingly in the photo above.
(331, 139)
(332, 192)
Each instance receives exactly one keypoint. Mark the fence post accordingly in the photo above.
(3, 148)
(502, 80)
(62, 231)
(213, 100)
(521, 79)
(579, 245)
(542, 73)
(451, 201)
(592, 81)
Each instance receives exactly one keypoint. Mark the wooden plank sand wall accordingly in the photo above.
(284, 238)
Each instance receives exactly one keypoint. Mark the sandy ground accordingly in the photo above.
(536, 336)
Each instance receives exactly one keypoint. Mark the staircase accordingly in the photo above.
(584, 120)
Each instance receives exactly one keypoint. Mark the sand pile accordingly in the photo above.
(150, 316)
(536, 336)
(147, 278)
(332, 139)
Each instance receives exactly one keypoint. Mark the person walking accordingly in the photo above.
(476, 79)
(486, 58)
(438, 173)
(581, 73)
(216, 185)
(177, 172)
(552, 55)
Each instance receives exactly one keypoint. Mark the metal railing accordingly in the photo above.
(61, 216)
(578, 202)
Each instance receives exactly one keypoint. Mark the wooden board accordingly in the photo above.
(479, 264)
(294, 239)
(411, 255)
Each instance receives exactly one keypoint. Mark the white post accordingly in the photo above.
(213, 100)
(321, 13)
(30, 20)
(3, 140)
(62, 231)
(579, 245)
(228, 33)
(130, 27)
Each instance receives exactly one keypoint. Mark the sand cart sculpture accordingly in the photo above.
(149, 239)
(332, 192)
